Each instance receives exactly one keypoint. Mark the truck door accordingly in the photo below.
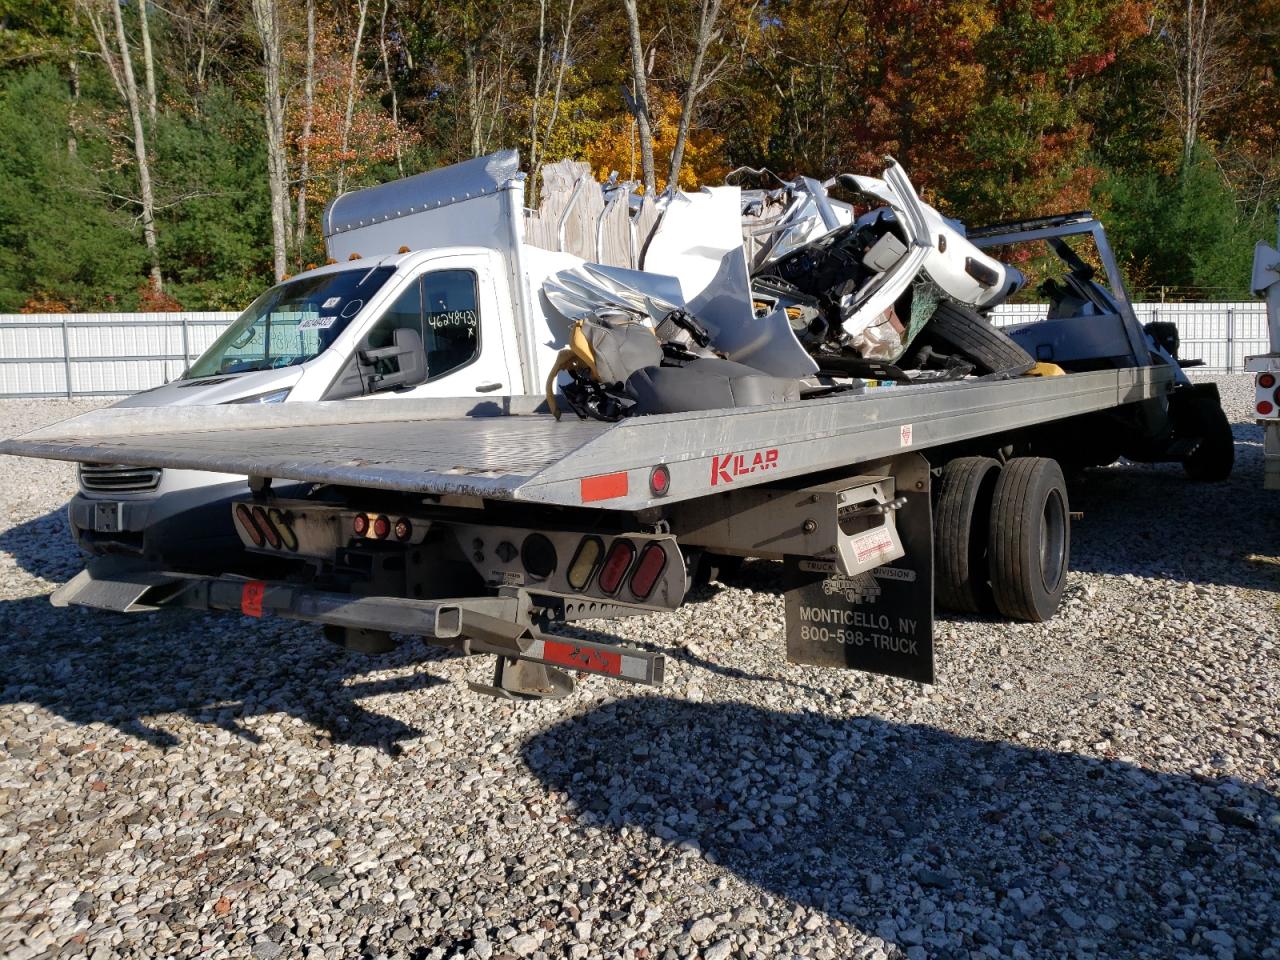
(441, 337)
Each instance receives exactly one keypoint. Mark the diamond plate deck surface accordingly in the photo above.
(491, 455)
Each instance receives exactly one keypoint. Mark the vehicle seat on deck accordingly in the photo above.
(706, 383)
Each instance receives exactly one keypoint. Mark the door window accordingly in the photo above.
(442, 308)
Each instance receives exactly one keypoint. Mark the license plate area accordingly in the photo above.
(108, 517)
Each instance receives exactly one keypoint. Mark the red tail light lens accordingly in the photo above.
(360, 525)
(615, 565)
(653, 560)
(1265, 407)
(264, 524)
(381, 527)
(1266, 380)
(245, 516)
(403, 529)
(660, 481)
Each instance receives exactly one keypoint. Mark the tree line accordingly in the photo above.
(159, 154)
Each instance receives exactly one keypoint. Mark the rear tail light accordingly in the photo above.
(1264, 408)
(1266, 380)
(584, 562)
(653, 560)
(280, 523)
(381, 527)
(264, 524)
(360, 525)
(615, 565)
(245, 516)
(403, 529)
(538, 554)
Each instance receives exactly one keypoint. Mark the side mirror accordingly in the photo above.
(404, 363)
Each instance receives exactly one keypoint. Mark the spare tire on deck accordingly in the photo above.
(956, 330)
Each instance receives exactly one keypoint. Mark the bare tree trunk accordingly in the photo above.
(391, 86)
(308, 118)
(561, 69)
(139, 148)
(640, 96)
(473, 97)
(536, 102)
(1206, 71)
(266, 19)
(363, 7)
(72, 143)
(706, 35)
(148, 60)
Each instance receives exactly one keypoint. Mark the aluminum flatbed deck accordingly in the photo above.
(506, 450)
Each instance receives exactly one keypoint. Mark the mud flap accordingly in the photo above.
(880, 621)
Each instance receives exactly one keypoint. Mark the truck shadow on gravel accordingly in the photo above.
(923, 837)
(146, 673)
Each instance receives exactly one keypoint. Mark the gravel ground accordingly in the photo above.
(1102, 785)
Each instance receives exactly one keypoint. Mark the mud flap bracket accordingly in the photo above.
(881, 620)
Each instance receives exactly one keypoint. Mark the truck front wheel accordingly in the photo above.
(1029, 539)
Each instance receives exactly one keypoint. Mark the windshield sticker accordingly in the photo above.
(318, 323)
(330, 303)
(352, 307)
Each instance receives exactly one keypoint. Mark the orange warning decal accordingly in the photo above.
(606, 486)
(251, 598)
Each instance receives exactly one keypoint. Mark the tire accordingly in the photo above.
(954, 329)
(1197, 413)
(1166, 334)
(1029, 539)
(962, 518)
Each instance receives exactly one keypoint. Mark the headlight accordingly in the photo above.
(275, 396)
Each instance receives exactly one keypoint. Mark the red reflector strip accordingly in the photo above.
(582, 658)
(251, 598)
(653, 560)
(606, 486)
(615, 566)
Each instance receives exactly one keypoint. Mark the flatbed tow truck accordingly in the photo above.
(482, 523)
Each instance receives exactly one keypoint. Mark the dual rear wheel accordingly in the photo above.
(1002, 537)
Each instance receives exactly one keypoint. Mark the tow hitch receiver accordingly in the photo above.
(531, 674)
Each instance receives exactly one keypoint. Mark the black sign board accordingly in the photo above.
(880, 621)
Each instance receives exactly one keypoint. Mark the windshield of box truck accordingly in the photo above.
(290, 323)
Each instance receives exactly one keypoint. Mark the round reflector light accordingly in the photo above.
(660, 480)
(360, 525)
(404, 529)
(381, 527)
(1266, 380)
(245, 517)
(653, 560)
(1265, 407)
(268, 531)
(615, 565)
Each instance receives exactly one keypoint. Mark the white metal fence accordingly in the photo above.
(110, 354)
(99, 354)
(1221, 334)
